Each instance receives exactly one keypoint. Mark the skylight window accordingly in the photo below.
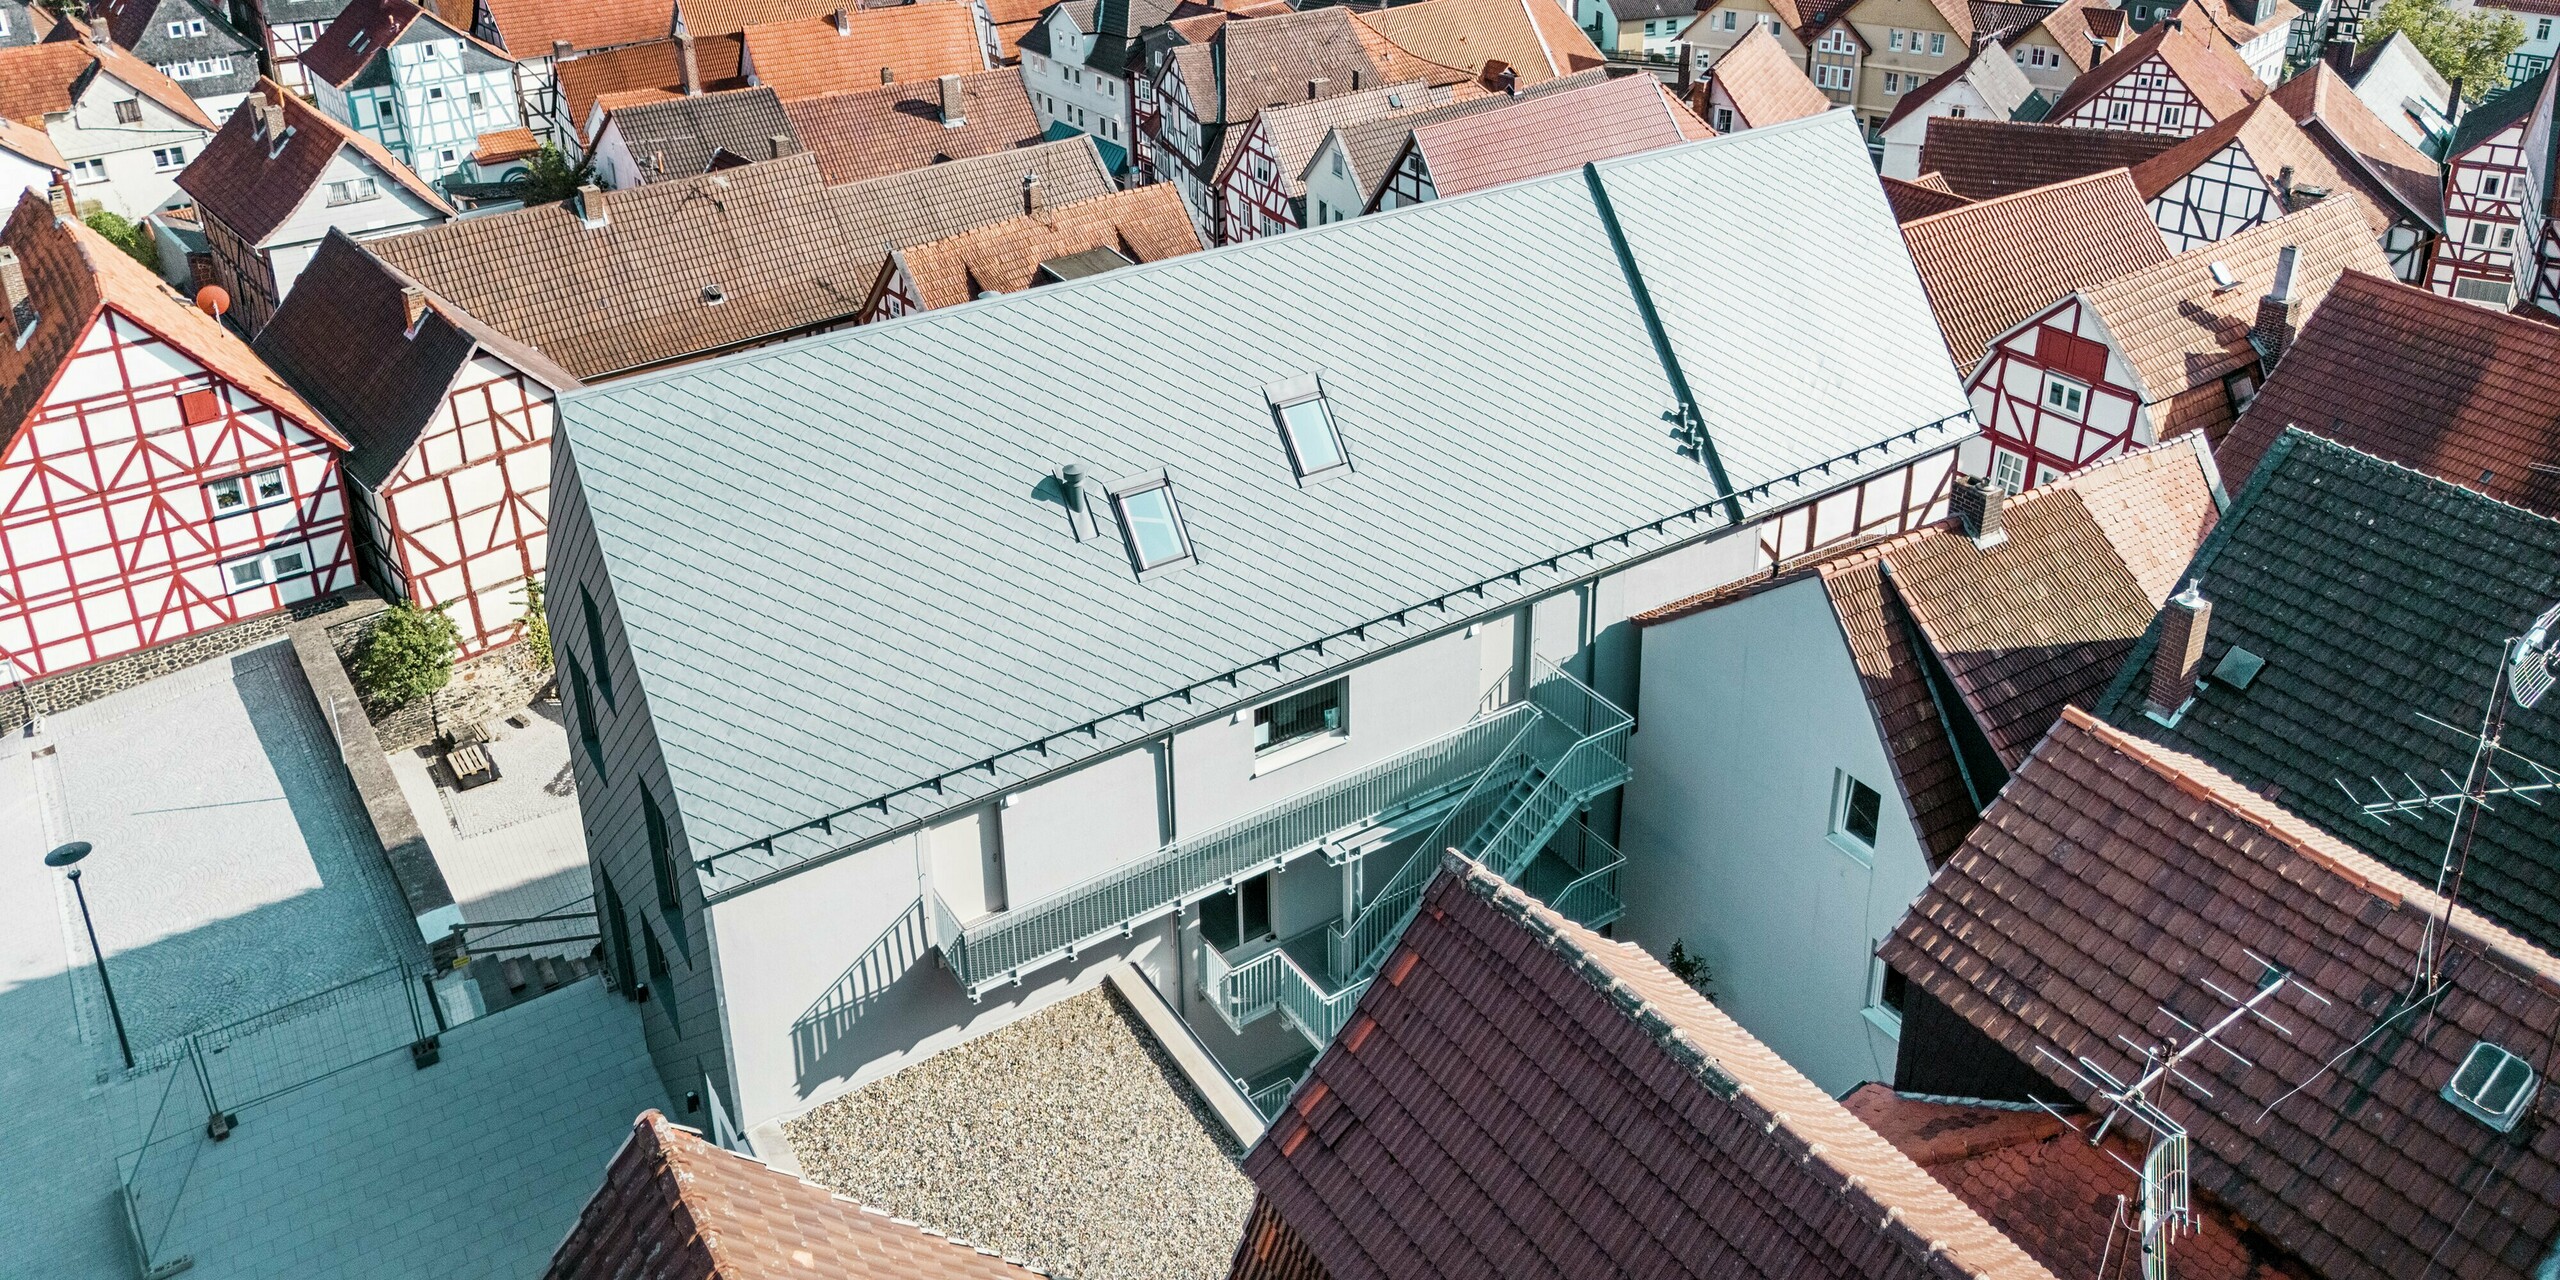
(1306, 427)
(1152, 525)
(2493, 1085)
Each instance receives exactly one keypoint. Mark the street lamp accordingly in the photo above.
(64, 857)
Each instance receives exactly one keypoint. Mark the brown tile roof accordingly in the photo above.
(1920, 197)
(2213, 16)
(2457, 390)
(1519, 1096)
(367, 27)
(1535, 38)
(2377, 160)
(528, 28)
(1765, 84)
(1990, 265)
(898, 127)
(2273, 143)
(2071, 23)
(1013, 19)
(2114, 877)
(805, 57)
(729, 17)
(243, 179)
(498, 146)
(1268, 61)
(645, 68)
(1533, 137)
(1374, 145)
(683, 134)
(1296, 129)
(2205, 64)
(73, 272)
(1142, 224)
(674, 1206)
(342, 338)
(2182, 333)
(36, 79)
(30, 142)
(784, 250)
(2047, 1188)
(1986, 158)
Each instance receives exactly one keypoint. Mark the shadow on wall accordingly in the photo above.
(896, 959)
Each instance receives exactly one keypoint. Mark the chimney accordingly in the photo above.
(688, 71)
(560, 50)
(1315, 88)
(1031, 193)
(413, 308)
(2284, 189)
(13, 288)
(2174, 664)
(888, 75)
(1688, 73)
(955, 108)
(1976, 502)
(59, 196)
(844, 21)
(2340, 55)
(2278, 313)
(589, 205)
(778, 145)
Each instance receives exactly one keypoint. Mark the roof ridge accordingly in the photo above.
(2045, 190)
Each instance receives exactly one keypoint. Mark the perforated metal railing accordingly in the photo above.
(997, 950)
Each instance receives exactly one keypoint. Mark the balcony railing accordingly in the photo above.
(1242, 994)
(999, 949)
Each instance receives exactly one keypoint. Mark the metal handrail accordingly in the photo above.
(1352, 939)
(1000, 948)
(1599, 877)
(1300, 998)
(1268, 1099)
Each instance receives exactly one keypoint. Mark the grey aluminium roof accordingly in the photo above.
(850, 590)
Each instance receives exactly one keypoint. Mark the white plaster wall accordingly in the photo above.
(1746, 712)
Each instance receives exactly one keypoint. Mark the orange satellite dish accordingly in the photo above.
(213, 300)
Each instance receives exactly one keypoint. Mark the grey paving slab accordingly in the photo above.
(512, 849)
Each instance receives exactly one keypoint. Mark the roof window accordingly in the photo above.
(1151, 523)
(1306, 427)
(2494, 1086)
(2238, 667)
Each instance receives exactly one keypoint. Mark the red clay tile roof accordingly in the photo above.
(2456, 390)
(1519, 1096)
(1268, 61)
(1986, 158)
(367, 27)
(729, 17)
(2378, 160)
(36, 79)
(1535, 38)
(2182, 333)
(2273, 143)
(645, 68)
(73, 272)
(806, 57)
(2114, 877)
(147, 80)
(1142, 224)
(1990, 265)
(2071, 23)
(498, 146)
(2205, 64)
(2046, 1187)
(1551, 133)
(30, 142)
(1920, 197)
(528, 28)
(674, 1206)
(244, 180)
(899, 127)
(1764, 83)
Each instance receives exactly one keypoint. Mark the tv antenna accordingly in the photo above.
(2168, 1210)
(2524, 673)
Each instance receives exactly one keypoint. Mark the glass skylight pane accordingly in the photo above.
(1311, 436)
(1153, 528)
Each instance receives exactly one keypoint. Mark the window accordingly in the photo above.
(2062, 395)
(177, 28)
(1955, 113)
(2479, 233)
(1856, 808)
(164, 159)
(1337, 164)
(307, 30)
(1724, 119)
(476, 100)
(1309, 716)
(618, 941)
(2008, 470)
(1306, 426)
(129, 111)
(241, 493)
(228, 494)
(1152, 524)
(595, 644)
(2120, 111)
(658, 973)
(2489, 183)
(268, 485)
(2173, 116)
(1728, 20)
(195, 26)
(435, 93)
(2506, 237)
(1233, 917)
(1892, 82)
(446, 155)
(2242, 387)
(2494, 1086)
(662, 868)
(2541, 30)
(582, 696)
(1894, 41)
(1887, 993)
(266, 567)
(353, 191)
(1937, 46)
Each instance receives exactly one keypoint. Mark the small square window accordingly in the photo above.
(1856, 810)
(177, 28)
(1300, 717)
(1153, 526)
(286, 564)
(240, 575)
(435, 93)
(268, 484)
(230, 493)
(2008, 470)
(129, 111)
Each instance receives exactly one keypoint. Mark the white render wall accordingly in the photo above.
(292, 245)
(135, 184)
(1746, 712)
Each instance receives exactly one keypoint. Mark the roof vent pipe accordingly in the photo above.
(2172, 683)
(844, 21)
(1070, 479)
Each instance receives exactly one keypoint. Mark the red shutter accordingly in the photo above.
(2071, 354)
(202, 405)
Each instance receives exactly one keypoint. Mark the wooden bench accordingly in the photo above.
(471, 766)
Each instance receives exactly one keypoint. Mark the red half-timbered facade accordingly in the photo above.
(1902, 499)
(156, 481)
(2149, 98)
(2169, 80)
(2546, 262)
(2484, 201)
(2054, 395)
(1253, 192)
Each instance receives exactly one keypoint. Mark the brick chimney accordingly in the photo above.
(1031, 193)
(688, 71)
(560, 50)
(13, 289)
(589, 205)
(413, 308)
(777, 146)
(844, 21)
(2284, 188)
(1315, 88)
(2279, 313)
(1688, 73)
(1976, 503)
(888, 75)
(59, 196)
(2175, 663)
(955, 106)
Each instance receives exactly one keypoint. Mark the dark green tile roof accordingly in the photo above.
(2378, 597)
(2490, 114)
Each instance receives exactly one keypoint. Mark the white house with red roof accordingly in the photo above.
(121, 128)
(2170, 80)
(156, 479)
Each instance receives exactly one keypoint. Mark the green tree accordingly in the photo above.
(408, 655)
(537, 624)
(549, 176)
(1690, 969)
(126, 234)
(2467, 45)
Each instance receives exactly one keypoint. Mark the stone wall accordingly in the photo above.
(485, 688)
(115, 675)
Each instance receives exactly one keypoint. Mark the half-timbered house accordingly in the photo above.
(278, 179)
(1049, 245)
(1989, 265)
(285, 28)
(1536, 137)
(1352, 163)
(405, 78)
(1262, 189)
(156, 479)
(541, 34)
(449, 427)
(1756, 83)
(2253, 167)
(2063, 42)
(2258, 31)
(189, 41)
(2542, 231)
(2487, 173)
(2153, 354)
(1986, 85)
(2396, 178)
(2167, 80)
(1722, 24)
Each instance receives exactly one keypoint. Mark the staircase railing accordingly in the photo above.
(1384, 913)
(1274, 980)
(998, 949)
(1591, 899)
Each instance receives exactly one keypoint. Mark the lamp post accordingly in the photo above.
(65, 857)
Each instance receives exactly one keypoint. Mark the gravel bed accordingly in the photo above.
(1067, 1139)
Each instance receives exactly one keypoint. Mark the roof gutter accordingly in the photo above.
(1693, 423)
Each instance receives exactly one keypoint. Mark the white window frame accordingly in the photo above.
(1844, 787)
(1289, 751)
(2072, 389)
(2009, 469)
(265, 568)
(1127, 491)
(91, 169)
(1295, 394)
(1880, 1015)
(178, 158)
(177, 30)
(1937, 44)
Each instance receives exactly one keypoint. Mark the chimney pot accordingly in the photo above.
(413, 308)
(888, 75)
(955, 107)
(1976, 502)
(844, 21)
(2279, 313)
(2180, 655)
(688, 71)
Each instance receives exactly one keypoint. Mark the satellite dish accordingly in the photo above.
(213, 300)
(2530, 658)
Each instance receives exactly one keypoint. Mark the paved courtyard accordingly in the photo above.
(512, 849)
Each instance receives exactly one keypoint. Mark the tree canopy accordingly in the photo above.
(2467, 45)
